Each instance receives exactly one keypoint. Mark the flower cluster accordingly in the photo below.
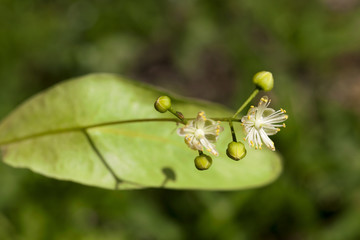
(202, 133)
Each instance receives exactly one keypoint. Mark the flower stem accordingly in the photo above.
(179, 115)
(232, 131)
(251, 97)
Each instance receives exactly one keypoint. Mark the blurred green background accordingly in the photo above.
(207, 49)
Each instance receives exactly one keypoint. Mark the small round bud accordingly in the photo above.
(236, 150)
(162, 104)
(203, 162)
(264, 80)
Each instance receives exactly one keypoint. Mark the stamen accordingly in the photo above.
(264, 100)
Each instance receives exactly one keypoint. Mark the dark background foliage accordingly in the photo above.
(207, 49)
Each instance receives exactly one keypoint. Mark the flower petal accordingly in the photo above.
(266, 140)
(200, 120)
(185, 131)
(209, 146)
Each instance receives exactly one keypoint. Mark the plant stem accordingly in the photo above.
(251, 97)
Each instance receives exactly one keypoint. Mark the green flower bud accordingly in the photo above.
(264, 80)
(236, 150)
(203, 162)
(162, 104)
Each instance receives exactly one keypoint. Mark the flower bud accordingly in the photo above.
(236, 150)
(162, 104)
(203, 162)
(264, 80)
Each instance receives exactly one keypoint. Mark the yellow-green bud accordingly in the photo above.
(162, 104)
(203, 162)
(264, 80)
(236, 150)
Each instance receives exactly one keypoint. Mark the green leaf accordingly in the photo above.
(46, 134)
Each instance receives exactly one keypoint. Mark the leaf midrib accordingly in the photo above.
(80, 128)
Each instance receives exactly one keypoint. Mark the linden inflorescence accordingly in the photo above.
(202, 133)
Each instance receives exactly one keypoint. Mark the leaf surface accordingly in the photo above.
(46, 135)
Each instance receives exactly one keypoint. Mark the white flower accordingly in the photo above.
(261, 122)
(201, 133)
